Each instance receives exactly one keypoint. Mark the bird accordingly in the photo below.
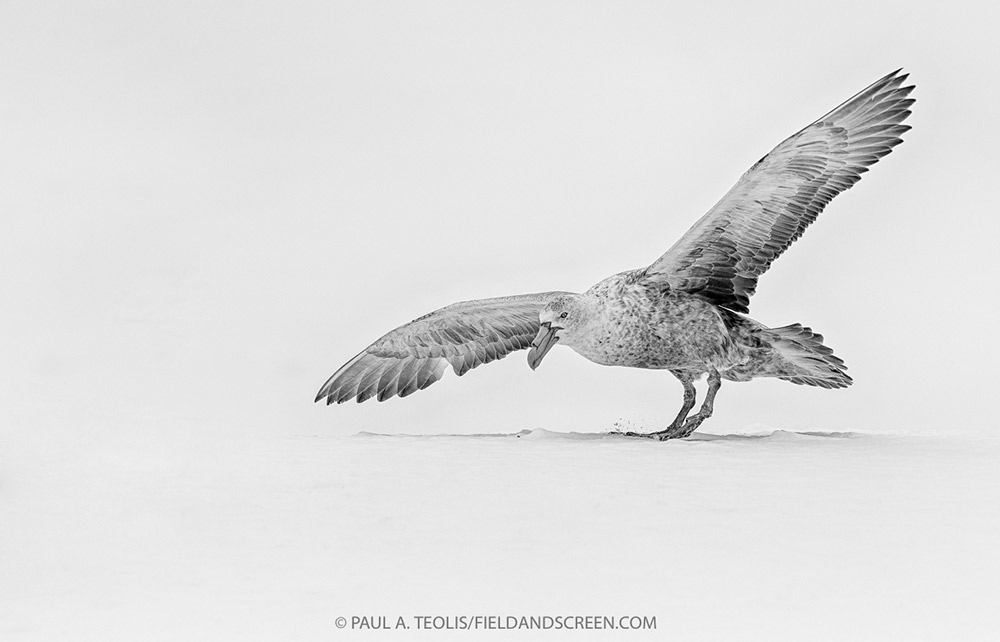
(688, 311)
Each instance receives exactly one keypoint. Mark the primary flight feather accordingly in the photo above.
(686, 311)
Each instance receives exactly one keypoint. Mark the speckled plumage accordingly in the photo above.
(686, 311)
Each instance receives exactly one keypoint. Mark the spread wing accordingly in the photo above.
(415, 355)
(771, 205)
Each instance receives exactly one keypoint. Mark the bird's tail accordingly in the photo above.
(807, 360)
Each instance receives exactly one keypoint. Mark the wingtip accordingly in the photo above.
(903, 77)
(893, 79)
(326, 391)
(898, 74)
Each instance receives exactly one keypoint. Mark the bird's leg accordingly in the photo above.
(677, 426)
(692, 423)
(689, 397)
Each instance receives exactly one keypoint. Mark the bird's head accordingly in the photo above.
(560, 319)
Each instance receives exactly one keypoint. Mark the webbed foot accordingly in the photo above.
(675, 430)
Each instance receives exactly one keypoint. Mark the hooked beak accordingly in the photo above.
(542, 343)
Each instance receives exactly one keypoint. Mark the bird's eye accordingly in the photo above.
(564, 315)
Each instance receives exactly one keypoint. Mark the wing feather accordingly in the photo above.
(724, 253)
(413, 356)
(408, 377)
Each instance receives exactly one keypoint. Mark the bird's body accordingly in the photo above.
(685, 312)
(629, 321)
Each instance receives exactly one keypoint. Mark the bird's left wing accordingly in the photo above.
(771, 205)
(415, 355)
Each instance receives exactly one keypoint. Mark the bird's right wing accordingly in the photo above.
(415, 355)
(724, 253)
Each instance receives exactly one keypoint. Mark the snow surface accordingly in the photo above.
(768, 535)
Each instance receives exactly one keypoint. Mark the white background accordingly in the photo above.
(209, 207)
